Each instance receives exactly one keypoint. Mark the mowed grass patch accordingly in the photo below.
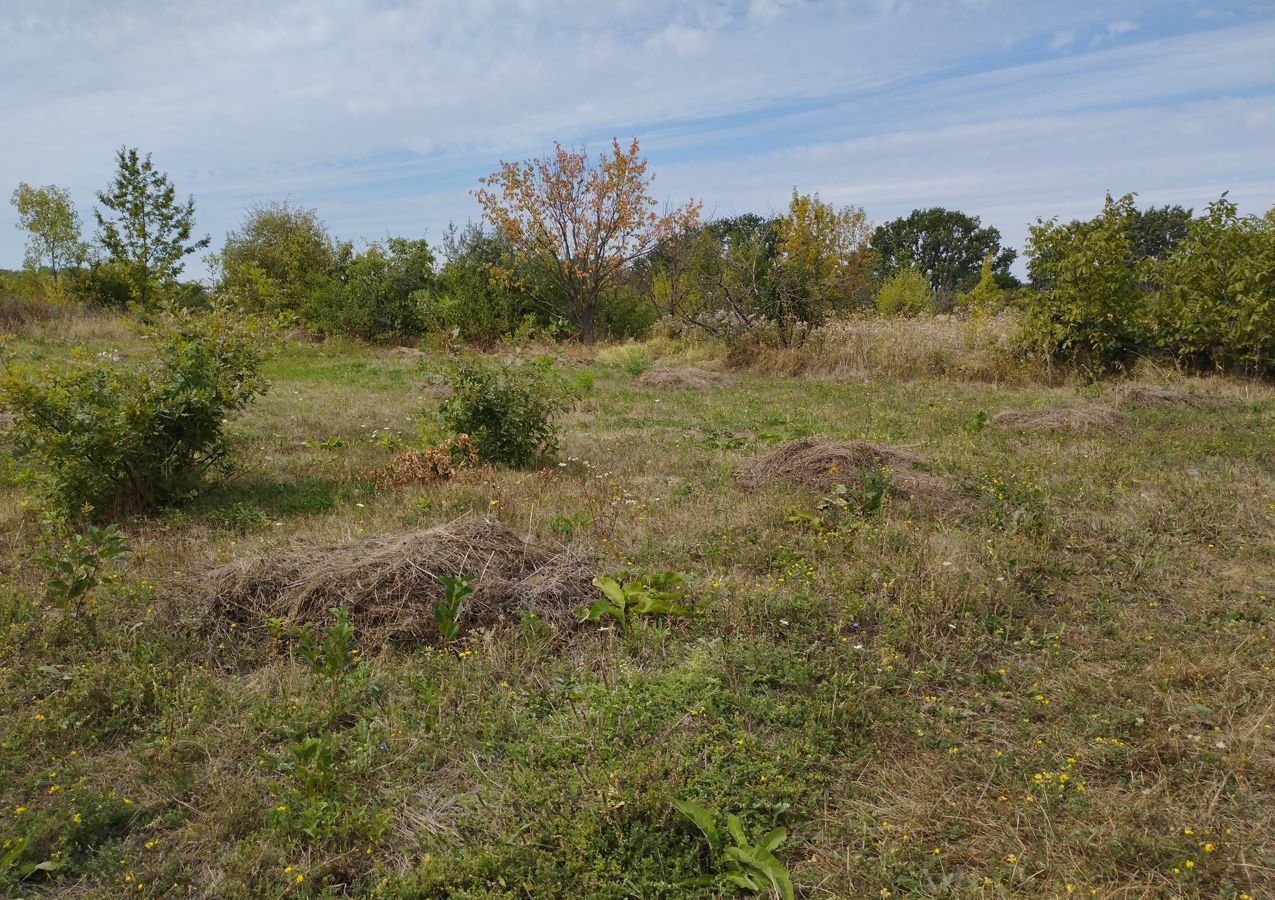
(1065, 689)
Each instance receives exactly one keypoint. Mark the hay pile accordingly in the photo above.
(389, 583)
(677, 379)
(1083, 419)
(1147, 396)
(408, 353)
(819, 464)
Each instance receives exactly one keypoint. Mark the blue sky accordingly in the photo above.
(382, 114)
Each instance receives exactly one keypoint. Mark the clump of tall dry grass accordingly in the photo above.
(980, 350)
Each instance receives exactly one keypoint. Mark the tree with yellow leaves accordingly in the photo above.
(580, 225)
(826, 261)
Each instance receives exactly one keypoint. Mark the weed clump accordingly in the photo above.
(822, 465)
(678, 379)
(437, 463)
(391, 583)
(1083, 419)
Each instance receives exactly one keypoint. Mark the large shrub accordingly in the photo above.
(905, 293)
(507, 409)
(479, 295)
(278, 257)
(380, 295)
(1089, 305)
(1216, 304)
(102, 440)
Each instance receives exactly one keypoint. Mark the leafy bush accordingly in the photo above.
(740, 863)
(475, 298)
(1216, 304)
(507, 409)
(380, 295)
(905, 293)
(1089, 305)
(659, 594)
(108, 440)
(625, 314)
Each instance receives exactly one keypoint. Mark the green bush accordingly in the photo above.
(473, 300)
(905, 293)
(625, 314)
(380, 295)
(507, 409)
(107, 440)
(1216, 304)
(1089, 305)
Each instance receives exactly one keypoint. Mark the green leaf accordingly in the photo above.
(702, 819)
(772, 839)
(612, 589)
(736, 829)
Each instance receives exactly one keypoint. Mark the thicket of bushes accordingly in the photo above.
(1205, 298)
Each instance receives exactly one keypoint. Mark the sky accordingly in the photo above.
(383, 114)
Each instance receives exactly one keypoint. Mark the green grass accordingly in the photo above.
(1067, 689)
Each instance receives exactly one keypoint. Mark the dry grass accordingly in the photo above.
(1082, 419)
(1150, 396)
(926, 347)
(676, 379)
(821, 464)
(390, 583)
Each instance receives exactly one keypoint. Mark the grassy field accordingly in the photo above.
(1058, 686)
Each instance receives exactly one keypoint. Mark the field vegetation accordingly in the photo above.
(702, 572)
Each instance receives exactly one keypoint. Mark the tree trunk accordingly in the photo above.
(587, 317)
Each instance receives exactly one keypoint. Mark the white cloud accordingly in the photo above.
(1062, 39)
(1113, 31)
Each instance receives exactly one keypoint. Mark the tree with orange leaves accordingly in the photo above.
(580, 225)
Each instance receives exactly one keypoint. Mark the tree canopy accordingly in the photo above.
(945, 245)
(146, 228)
(580, 223)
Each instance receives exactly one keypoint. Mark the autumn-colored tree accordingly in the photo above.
(580, 224)
(825, 260)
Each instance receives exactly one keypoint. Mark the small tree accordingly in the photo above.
(53, 224)
(824, 262)
(1090, 304)
(580, 225)
(146, 229)
(277, 257)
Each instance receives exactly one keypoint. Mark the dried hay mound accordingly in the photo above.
(408, 353)
(677, 379)
(820, 464)
(390, 583)
(1147, 396)
(1085, 419)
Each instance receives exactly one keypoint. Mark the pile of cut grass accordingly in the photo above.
(822, 464)
(678, 379)
(390, 583)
